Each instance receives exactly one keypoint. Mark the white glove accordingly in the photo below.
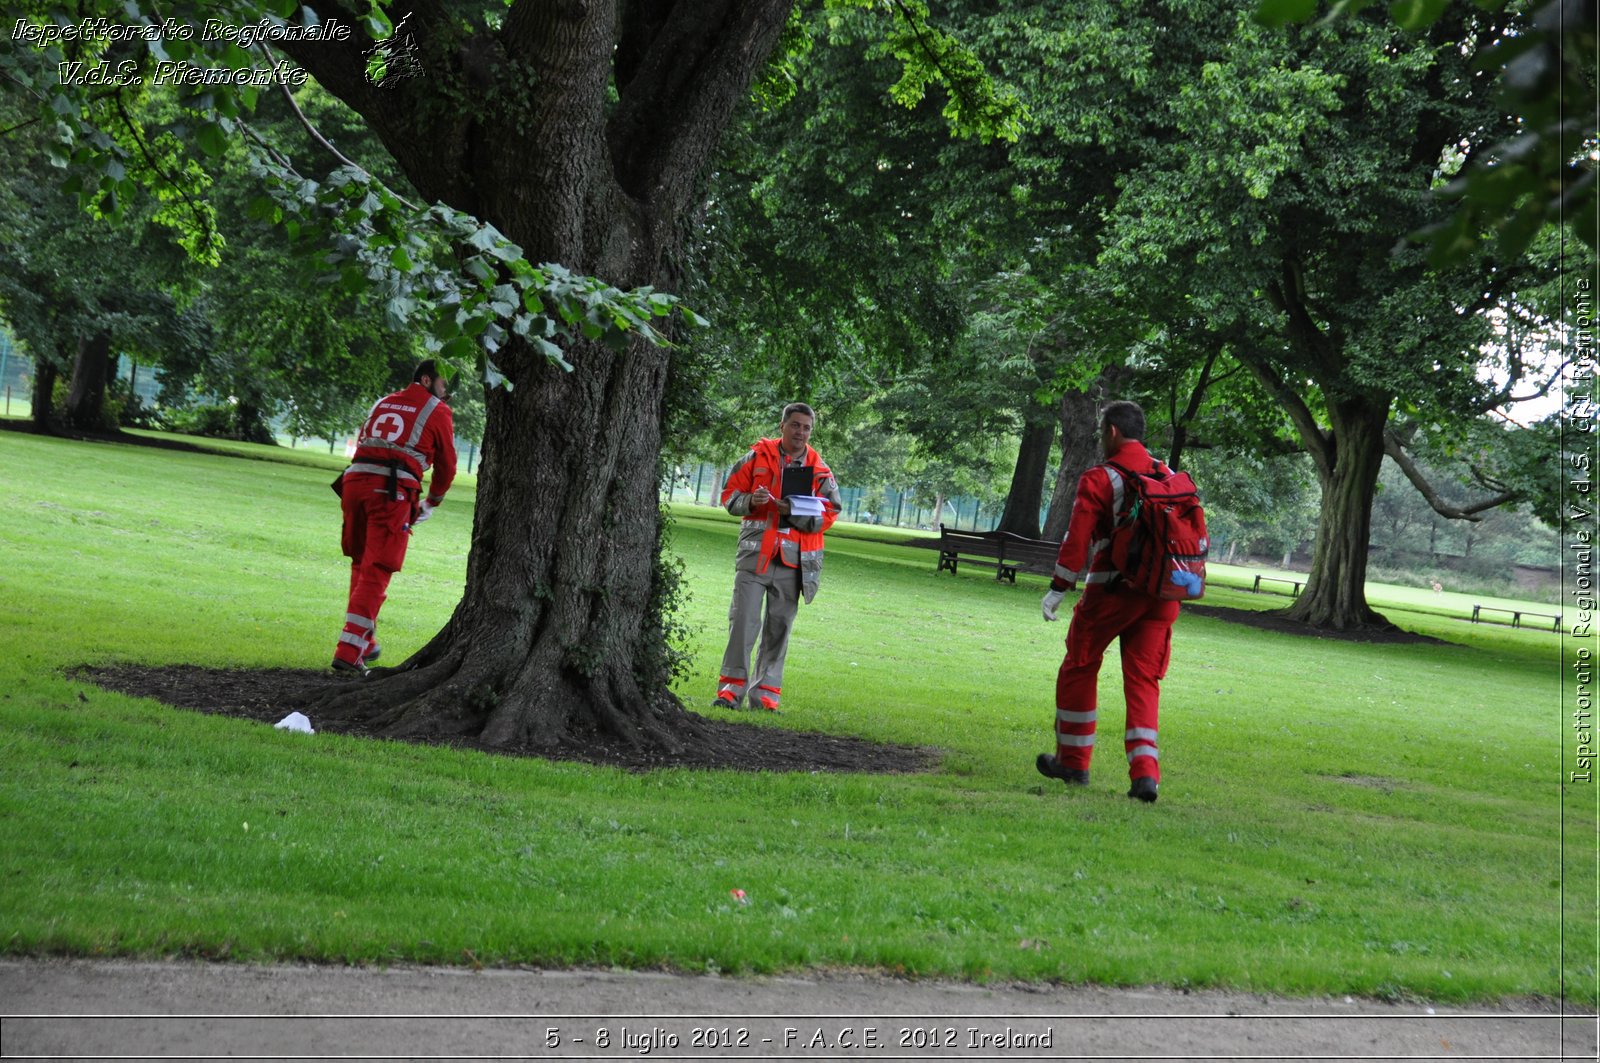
(424, 511)
(1051, 603)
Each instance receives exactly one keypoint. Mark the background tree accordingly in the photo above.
(1291, 256)
(1543, 173)
(1257, 504)
(79, 290)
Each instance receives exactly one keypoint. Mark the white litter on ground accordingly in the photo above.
(295, 721)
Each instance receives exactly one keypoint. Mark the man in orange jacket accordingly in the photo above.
(1108, 610)
(381, 495)
(779, 558)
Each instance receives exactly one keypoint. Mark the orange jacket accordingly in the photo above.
(798, 546)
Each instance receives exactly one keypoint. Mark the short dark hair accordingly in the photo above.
(425, 368)
(796, 407)
(1126, 417)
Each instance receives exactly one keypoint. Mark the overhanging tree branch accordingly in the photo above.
(316, 134)
(203, 219)
(1305, 422)
(1392, 447)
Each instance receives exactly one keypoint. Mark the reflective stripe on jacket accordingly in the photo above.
(413, 430)
(1084, 557)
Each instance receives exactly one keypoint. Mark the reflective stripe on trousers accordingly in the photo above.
(1143, 626)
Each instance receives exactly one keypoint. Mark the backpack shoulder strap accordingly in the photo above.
(1125, 491)
(1127, 474)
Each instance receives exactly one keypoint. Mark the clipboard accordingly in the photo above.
(797, 480)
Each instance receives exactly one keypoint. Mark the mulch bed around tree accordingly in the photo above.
(268, 695)
(1275, 621)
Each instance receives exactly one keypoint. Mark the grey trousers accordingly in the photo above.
(778, 589)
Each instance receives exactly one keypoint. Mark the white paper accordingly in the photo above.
(295, 721)
(805, 505)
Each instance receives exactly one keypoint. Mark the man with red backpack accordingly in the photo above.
(1137, 604)
(382, 497)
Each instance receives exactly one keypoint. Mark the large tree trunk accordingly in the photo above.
(86, 399)
(1336, 595)
(1021, 515)
(555, 633)
(250, 423)
(561, 631)
(44, 387)
(1079, 413)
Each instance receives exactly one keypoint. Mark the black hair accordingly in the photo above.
(1126, 417)
(425, 368)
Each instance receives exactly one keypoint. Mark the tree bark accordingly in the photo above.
(561, 633)
(1335, 596)
(44, 386)
(86, 398)
(250, 424)
(1079, 413)
(1021, 513)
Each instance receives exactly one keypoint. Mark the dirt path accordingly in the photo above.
(88, 1009)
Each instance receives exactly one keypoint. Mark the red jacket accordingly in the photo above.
(413, 430)
(1084, 557)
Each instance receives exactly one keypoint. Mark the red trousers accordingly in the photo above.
(376, 532)
(1144, 626)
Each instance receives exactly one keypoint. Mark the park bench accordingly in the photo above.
(1517, 615)
(1003, 551)
(1294, 583)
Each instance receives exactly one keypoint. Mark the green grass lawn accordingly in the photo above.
(1335, 817)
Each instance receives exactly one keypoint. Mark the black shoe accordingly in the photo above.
(373, 653)
(720, 702)
(1144, 789)
(1051, 768)
(346, 666)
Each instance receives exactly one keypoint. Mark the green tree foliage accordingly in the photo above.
(77, 289)
(284, 339)
(1305, 155)
(1543, 171)
(1256, 504)
(456, 282)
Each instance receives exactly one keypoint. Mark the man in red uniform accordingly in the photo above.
(381, 493)
(1108, 610)
(778, 561)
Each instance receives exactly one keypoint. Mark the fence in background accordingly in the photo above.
(889, 506)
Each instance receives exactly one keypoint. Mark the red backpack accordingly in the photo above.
(1159, 542)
